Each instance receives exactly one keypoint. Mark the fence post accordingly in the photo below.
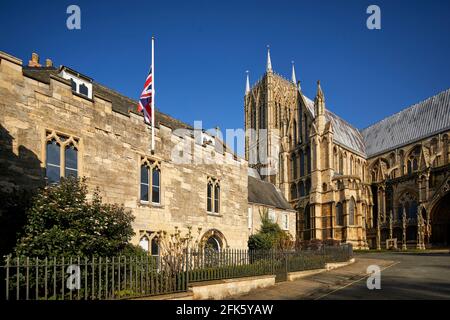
(187, 269)
(7, 277)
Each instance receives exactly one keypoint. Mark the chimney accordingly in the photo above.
(34, 62)
(48, 63)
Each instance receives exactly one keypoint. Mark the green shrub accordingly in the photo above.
(63, 223)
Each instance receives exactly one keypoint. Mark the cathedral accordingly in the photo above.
(386, 186)
(313, 173)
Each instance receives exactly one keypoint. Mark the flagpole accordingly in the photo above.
(153, 95)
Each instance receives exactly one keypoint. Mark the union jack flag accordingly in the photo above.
(145, 101)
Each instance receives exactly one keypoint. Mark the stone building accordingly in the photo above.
(57, 122)
(388, 181)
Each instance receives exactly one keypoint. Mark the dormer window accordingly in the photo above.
(80, 84)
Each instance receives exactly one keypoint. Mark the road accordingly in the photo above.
(413, 276)
(423, 275)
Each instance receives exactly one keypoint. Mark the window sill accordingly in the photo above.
(213, 214)
(150, 204)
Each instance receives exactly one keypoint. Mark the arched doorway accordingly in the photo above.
(213, 244)
(440, 222)
(213, 240)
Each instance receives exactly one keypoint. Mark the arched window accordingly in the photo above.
(216, 198)
(293, 191)
(408, 204)
(300, 124)
(71, 161)
(209, 197)
(155, 246)
(294, 127)
(53, 161)
(150, 181)
(261, 117)
(413, 160)
(213, 195)
(308, 159)
(156, 185)
(307, 217)
(302, 164)
(339, 214)
(144, 183)
(351, 212)
(351, 165)
(308, 186)
(335, 160)
(341, 164)
(294, 166)
(143, 243)
(302, 189)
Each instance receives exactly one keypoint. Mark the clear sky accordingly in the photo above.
(204, 47)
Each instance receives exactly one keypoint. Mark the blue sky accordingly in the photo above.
(204, 47)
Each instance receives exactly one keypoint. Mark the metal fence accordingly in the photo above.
(99, 278)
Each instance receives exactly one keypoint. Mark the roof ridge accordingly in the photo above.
(420, 102)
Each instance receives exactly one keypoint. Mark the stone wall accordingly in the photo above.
(111, 147)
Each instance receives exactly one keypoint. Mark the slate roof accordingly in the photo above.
(344, 133)
(120, 103)
(265, 193)
(417, 122)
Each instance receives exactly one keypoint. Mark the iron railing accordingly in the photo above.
(99, 278)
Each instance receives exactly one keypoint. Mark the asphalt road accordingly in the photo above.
(413, 276)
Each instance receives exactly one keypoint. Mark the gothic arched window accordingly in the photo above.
(351, 211)
(293, 191)
(295, 132)
(53, 161)
(301, 189)
(308, 160)
(71, 161)
(339, 214)
(302, 163)
(308, 186)
(216, 198)
(413, 160)
(209, 192)
(307, 217)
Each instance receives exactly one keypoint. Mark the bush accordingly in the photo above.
(270, 236)
(62, 222)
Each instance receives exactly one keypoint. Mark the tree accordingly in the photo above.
(270, 235)
(62, 222)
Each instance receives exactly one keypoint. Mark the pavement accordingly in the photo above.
(424, 275)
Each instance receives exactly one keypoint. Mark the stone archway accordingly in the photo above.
(214, 239)
(440, 222)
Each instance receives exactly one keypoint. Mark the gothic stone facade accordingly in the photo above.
(389, 181)
(39, 110)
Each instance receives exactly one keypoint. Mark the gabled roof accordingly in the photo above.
(417, 122)
(265, 193)
(344, 133)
